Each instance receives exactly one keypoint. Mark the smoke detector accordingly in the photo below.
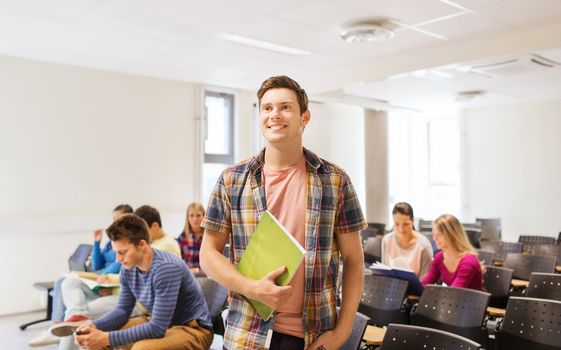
(366, 32)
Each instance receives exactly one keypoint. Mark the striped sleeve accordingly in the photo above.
(349, 214)
(166, 288)
(117, 317)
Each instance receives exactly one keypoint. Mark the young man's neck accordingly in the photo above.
(147, 260)
(279, 157)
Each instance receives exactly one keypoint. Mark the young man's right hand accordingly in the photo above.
(266, 291)
(98, 234)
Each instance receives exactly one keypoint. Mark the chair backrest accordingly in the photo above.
(367, 233)
(215, 297)
(485, 256)
(457, 310)
(544, 286)
(379, 227)
(473, 231)
(425, 225)
(524, 264)
(407, 337)
(497, 280)
(382, 299)
(547, 249)
(490, 228)
(80, 260)
(530, 323)
(531, 240)
(373, 249)
(359, 326)
(501, 249)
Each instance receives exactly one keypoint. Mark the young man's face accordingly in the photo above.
(128, 254)
(280, 117)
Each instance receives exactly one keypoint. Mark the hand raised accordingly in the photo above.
(98, 234)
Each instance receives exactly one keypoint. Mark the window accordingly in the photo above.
(424, 163)
(218, 137)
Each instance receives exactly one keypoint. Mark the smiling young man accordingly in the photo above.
(316, 202)
(178, 316)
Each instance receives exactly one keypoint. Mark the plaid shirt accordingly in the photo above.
(236, 204)
(190, 249)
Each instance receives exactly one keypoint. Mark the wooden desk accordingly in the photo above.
(413, 297)
(519, 283)
(495, 311)
(374, 335)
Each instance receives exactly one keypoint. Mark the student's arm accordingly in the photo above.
(117, 317)
(353, 276)
(215, 265)
(98, 261)
(434, 271)
(167, 283)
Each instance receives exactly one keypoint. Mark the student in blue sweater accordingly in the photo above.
(162, 283)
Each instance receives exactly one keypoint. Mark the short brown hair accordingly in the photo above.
(130, 227)
(280, 82)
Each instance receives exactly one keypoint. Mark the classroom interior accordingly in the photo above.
(454, 106)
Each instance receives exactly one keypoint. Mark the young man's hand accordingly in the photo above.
(327, 341)
(90, 338)
(266, 291)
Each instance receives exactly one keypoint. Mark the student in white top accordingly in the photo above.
(404, 247)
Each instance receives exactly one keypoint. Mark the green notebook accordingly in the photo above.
(270, 247)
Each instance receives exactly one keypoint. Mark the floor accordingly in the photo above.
(15, 339)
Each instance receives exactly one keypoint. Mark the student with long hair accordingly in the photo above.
(456, 263)
(405, 247)
(190, 239)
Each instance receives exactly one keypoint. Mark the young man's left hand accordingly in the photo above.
(327, 341)
(91, 338)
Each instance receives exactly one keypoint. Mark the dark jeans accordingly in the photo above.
(281, 341)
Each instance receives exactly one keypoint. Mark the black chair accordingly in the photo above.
(530, 240)
(457, 310)
(382, 300)
(367, 233)
(473, 231)
(485, 256)
(547, 249)
(490, 228)
(47, 287)
(496, 281)
(524, 264)
(379, 227)
(80, 260)
(359, 326)
(406, 337)
(544, 286)
(215, 297)
(425, 225)
(530, 323)
(373, 249)
(501, 249)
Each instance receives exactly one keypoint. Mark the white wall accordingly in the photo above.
(336, 133)
(74, 143)
(513, 167)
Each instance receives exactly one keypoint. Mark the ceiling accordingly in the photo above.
(425, 65)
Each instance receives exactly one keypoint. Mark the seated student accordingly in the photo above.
(81, 309)
(178, 314)
(405, 247)
(192, 236)
(103, 262)
(158, 238)
(456, 263)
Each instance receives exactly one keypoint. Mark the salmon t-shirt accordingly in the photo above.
(285, 191)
